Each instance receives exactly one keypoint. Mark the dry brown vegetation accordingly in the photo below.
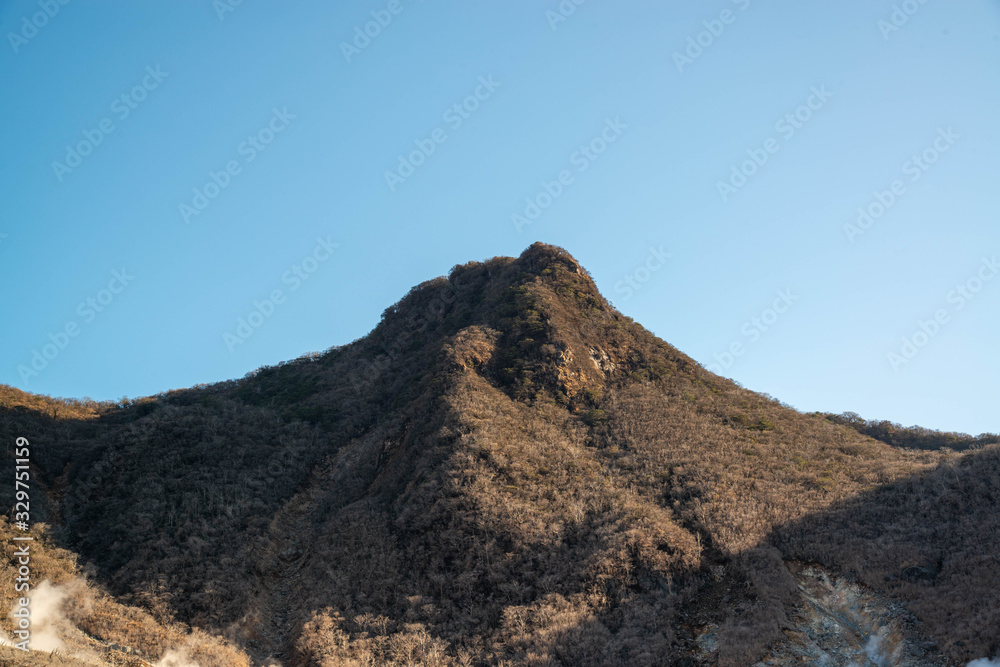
(92, 624)
(505, 471)
(912, 437)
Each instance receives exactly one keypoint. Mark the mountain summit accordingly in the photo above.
(506, 470)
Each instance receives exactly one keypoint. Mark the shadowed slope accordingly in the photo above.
(505, 468)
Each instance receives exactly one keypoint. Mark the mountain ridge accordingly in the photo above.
(505, 469)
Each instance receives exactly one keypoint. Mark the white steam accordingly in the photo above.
(176, 658)
(881, 653)
(49, 624)
(984, 662)
(51, 630)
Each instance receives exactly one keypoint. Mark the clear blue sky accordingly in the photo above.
(196, 86)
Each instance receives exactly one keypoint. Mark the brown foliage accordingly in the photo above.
(505, 471)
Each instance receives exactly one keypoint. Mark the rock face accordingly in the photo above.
(506, 470)
(838, 623)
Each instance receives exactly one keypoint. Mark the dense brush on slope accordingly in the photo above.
(912, 437)
(79, 619)
(505, 470)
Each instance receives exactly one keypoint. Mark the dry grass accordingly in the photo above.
(505, 471)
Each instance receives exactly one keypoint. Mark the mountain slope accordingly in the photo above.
(505, 469)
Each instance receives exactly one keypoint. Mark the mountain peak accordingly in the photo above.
(540, 256)
(505, 469)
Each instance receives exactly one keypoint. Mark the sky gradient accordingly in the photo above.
(168, 169)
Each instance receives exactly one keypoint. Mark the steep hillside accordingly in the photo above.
(505, 471)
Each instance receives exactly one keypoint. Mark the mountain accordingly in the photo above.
(505, 471)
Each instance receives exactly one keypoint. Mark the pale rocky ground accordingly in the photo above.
(79, 650)
(839, 624)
